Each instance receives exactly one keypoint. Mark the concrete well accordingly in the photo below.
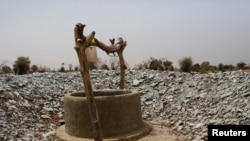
(119, 113)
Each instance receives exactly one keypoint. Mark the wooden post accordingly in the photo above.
(122, 65)
(81, 44)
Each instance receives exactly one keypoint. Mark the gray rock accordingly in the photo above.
(163, 90)
(136, 82)
(187, 102)
(246, 94)
(226, 94)
(45, 116)
(7, 95)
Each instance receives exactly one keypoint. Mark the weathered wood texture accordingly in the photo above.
(81, 43)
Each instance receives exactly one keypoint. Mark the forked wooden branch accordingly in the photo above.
(81, 43)
(118, 47)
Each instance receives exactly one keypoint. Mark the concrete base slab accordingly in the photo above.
(145, 129)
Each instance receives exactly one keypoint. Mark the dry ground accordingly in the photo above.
(247, 70)
(160, 134)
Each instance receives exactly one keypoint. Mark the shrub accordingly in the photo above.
(205, 67)
(34, 68)
(213, 68)
(21, 65)
(168, 65)
(155, 64)
(42, 69)
(104, 67)
(62, 69)
(241, 65)
(186, 64)
(221, 67)
(6, 69)
(196, 67)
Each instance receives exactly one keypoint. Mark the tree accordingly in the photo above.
(62, 69)
(226, 67)
(168, 65)
(221, 67)
(6, 69)
(205, 66)
(196, 67)
(241, 65)
(34, 68)
(229, 67)
(155, 64)
(186, 64)
(21, 65)
(213, 68)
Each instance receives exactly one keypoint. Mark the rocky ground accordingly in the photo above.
(32, 105)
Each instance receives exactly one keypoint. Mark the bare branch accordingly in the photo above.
(110, 48)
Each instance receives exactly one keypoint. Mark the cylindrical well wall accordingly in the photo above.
(119, 113)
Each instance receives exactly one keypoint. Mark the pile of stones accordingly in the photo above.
(32, 105)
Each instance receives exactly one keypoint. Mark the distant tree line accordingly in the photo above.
(22, 66)
(156, 64)
(186, 65)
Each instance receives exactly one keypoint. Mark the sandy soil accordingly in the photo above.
(160, 133)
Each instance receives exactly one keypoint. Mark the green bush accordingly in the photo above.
(168, 65)
(34, 68)
(21, 65)
(205, 67)
(6, 69)
(155, 64)
(221, 67)
(241, 65)
(186, 64)
(196, 67)
(104, 67)
(62, 69)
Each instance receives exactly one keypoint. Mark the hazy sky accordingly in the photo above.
(217, 31)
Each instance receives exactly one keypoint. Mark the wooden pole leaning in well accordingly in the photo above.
(82, 43)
